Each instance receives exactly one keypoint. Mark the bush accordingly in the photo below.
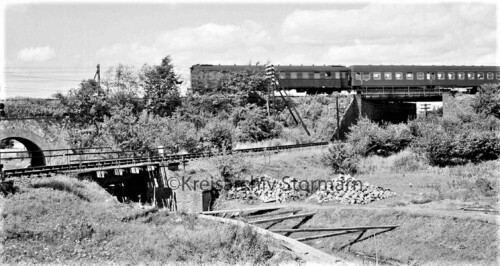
(487, 100)
(341, 158)
(446, 149)
(368, 138)
(456, 141)
(217, 136)
(253, 124)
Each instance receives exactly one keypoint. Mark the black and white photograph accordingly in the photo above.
(326, 132)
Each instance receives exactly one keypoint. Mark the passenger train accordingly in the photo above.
(362, 78)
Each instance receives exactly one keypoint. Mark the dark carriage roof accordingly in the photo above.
(297, 68)
(369, 68)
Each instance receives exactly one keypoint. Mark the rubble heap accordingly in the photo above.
(343, 189)
(347, 190)
(267, 189)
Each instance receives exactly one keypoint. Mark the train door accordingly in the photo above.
(344, 79)
(430, 76)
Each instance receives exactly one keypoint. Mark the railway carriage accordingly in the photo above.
(376, 77)
(311, 79)
(314, 79)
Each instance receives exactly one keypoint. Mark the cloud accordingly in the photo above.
(206, 42)
(446, 33)
(398, 33)
(38, 54)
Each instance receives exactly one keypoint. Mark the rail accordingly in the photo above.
(128, 161)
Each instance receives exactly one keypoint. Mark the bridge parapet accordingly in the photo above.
(402, 94)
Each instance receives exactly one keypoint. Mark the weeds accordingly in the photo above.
(407, 162)
(341, 159)
(57, 221)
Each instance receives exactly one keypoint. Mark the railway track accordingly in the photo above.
(182, 158)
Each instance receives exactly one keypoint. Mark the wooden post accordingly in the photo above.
(282, 218)
(98, 74)
(267, 100)
(325, 235)
(298, 115)
(288, 106)
(338, 118)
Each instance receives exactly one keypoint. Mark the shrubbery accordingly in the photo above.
(369, 138)
(460, 148)
(341, 158)
(253, 124)
(487, 100)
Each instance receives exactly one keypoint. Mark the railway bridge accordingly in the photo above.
(389, 105)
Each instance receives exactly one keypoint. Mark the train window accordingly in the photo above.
(366, 76)
(480, 75)
(337, 75)
(409, 76)
(282, 75)
(398, 76)
(317, 75)
(489, 75)
(305, 75)
(441, 75)
(498, 75)
(451, 75)
(420, 75)
(357, 76)
(293, 75)
(388, 75)
(328, 75)
(343, 75)
(470, 75)
(461, 75)
(377, 75)
(430, 76)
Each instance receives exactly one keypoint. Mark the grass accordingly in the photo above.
(419, 239)
(406, 173)
(432, 228)
(64, 220)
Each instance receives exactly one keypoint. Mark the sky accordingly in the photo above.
(50, 47)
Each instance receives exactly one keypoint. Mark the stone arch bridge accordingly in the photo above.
(36, 135)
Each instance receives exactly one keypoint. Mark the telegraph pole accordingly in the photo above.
(426, 107)
(98, 74)
(338, 117)
(269, 75)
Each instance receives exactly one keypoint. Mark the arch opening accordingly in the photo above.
(37, 158)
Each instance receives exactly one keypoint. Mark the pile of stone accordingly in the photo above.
(347, 190)
(267, 189)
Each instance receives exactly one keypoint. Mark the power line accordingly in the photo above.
(50, 67)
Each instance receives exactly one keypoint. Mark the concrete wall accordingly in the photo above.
(349, 118)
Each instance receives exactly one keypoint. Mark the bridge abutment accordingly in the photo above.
(376, 110)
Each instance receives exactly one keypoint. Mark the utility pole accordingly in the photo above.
(338, 117)
(270, 76)
(426, 107)
(98, 74)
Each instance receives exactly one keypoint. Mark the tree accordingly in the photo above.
(161, 92)
(122, 84)
(87, 105)
(487, 100)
